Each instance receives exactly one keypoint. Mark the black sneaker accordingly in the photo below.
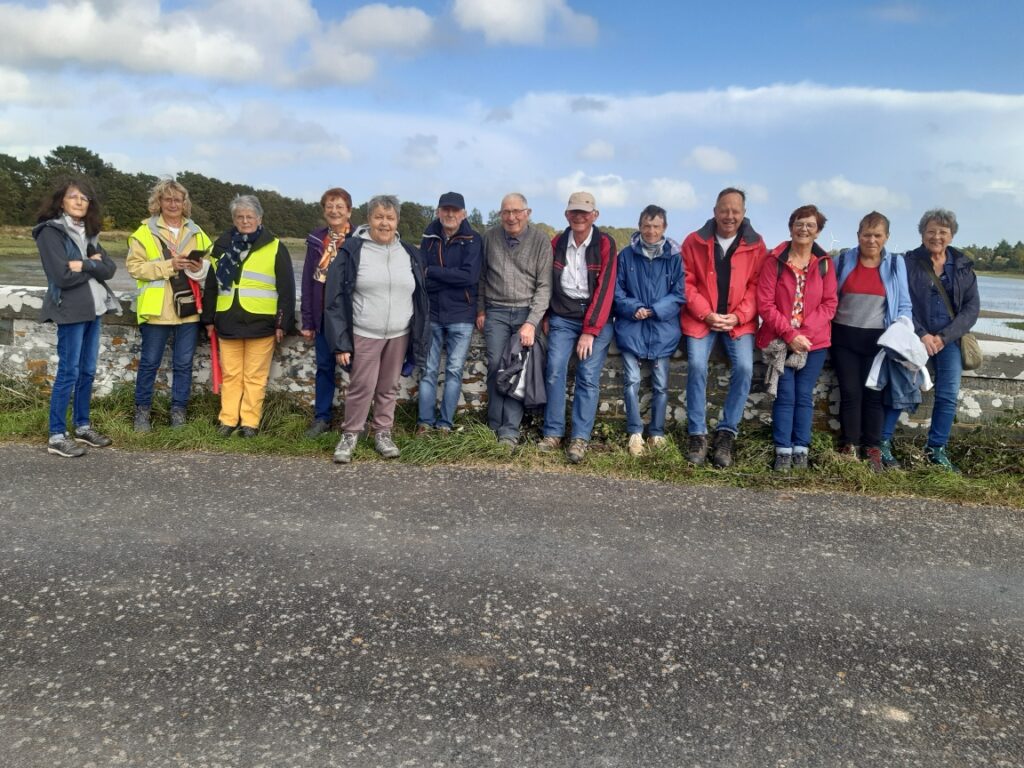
(90, 436)
(721, 452)
(142, 422)
(248, 432)
(224, 430)
(697, 449)
(63, 445)
(799, 460)
(317, 428)
(177, 418)
(783, 462)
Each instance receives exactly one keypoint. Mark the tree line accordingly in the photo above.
(24, 183)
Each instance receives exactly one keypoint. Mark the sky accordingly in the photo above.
(897, 105)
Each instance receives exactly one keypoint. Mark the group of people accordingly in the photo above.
(378, 307)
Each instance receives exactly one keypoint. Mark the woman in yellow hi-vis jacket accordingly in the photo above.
(254, 285)
(159, 254)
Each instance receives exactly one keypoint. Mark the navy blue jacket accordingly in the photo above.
(453, 272)
(965, 299)
(656, 284)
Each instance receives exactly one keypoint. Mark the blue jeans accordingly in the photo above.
(793, 411)
(326, 381)
(741, 359)
(504, 414)
(631, 394)
(78, 345)
(154, 341)
(948, 368)
(563, 334)
(454, 338)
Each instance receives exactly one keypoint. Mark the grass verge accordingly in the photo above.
(992, 458)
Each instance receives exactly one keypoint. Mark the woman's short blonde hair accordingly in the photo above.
(161, 188)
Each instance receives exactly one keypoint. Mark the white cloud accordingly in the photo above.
(672, 193)
(712, 159)
(524, 22)
(756, 193)
(598, 150)
(839, 191)
(609, 190)
(14, 86)
(384, 26)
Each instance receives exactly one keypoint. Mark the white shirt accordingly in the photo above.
(726, 242)
(574, 276)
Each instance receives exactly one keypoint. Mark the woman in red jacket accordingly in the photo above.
(796, 297)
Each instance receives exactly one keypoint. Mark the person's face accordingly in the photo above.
(804, 231)
(336, 213)
(246, 220)
(936, 238)
(383, 225)
(451, 218)
(514, 215)
(729, 213)
(172, 206)
(76, 204)
(871, 240)
(580, 222)
(652, 229)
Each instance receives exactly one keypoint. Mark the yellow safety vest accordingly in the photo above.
(257, 283)
(150, 295)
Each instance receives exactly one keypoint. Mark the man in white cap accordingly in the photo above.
(582, 293)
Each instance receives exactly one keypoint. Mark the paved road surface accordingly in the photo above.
(204, 610)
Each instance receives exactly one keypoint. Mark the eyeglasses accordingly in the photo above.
(807, 226)
(173, 200)
(77, 197)
(513, 212)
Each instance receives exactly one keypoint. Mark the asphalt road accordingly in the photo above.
(203, 610)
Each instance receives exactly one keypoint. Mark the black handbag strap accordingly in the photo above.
(942, 291)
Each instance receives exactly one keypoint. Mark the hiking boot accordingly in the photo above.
(888, 460)
(223, 430)
(799, 459)
(848, 453)
(577, 450)
(248, 432)
(657, 442)
(142, 420)
(636, 444)
(508, 444)
(63, 445)
(697, 449)
(721, 452)
(343, 450)
(936, 454)
(873, 456)
(549, 444)
(385, 446)
(90, 436)
(317, 428)
(177, 418)
(783, 462)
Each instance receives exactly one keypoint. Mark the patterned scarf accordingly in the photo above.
(332, 242)
(230, 263)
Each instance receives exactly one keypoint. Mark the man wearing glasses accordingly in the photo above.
(722, 261)
(515, 288)
(582, 293)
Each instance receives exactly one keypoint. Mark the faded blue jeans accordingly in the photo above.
(793, 411)
(183, 349)
(78, 345)
(948, 369)
(741, 360)
(631, 394)
(563, 334)
(454, 338)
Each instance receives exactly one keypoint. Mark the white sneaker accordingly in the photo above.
(636, 444)
(657, 442)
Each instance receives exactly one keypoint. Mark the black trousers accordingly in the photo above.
(860, 409)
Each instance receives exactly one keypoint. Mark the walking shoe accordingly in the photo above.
(90, 436)
(848, 453)
(343, 450)
(577, 450)
(657, 442)
(549, 444)
(799, 459)
(142, 422)
(63, 445)
(177, 418)
(444, 431)
(636, 444)
(721, 452)
(697, 449)
(783, 462)
(223, 430)
(888, 460)
(873, 456)
(248, 432)
(422, 430)
(508, 444)
(385, 446)
(317, 428)
(936, 454)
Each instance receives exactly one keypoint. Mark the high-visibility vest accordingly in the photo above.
(150, 294)
(256, 285)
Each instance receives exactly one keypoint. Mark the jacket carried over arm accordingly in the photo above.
(964, 296)
(69, 297)
(602, 264)
(453, 272)
(702, 282)
(775, 296)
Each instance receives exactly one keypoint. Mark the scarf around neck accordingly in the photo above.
(230, 263)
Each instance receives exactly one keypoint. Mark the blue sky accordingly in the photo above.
(898, 106)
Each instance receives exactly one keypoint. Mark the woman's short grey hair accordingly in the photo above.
(387, 202)
(940, 216)
(248, 202)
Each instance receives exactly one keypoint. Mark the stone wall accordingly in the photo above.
(28, 352)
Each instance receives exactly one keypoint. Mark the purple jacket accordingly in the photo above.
(312, 302)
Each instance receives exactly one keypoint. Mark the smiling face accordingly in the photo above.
(75, 203)
(172, 207)
(871, 240)
(652, 229)
(451, 218)
(804, 231)
(936, 238)
(246, 220)
(514, 215)
(337, 213)
(729, 213)
(383, 224)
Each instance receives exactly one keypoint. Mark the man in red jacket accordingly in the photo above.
(721, 260)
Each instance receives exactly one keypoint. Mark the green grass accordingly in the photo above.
(992, 458)
(1016, 326)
